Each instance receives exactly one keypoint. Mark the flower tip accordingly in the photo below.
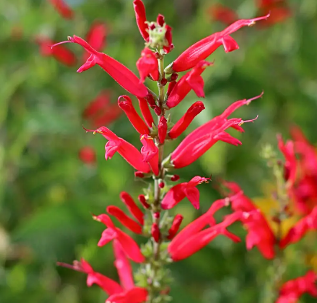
(245, 121)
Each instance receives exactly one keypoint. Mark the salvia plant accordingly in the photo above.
(150, 217)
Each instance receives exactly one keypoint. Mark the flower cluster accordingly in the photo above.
(149, 217)
(266, 231)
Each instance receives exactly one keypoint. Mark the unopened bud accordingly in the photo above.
(156, 215)
(163, 81)
(161, 184)
(175, 226)
(175, 178)
(142, 200)
(157, 110)
(155, 231)
(139, 174)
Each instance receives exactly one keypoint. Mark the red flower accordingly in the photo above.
(151, 31)
(96, 37)
(149, 149)
(205, 136)
(140, 16)
(162, 129)
(192, 238)
(100, 111)
(186, 189)
(298, 231)
(132, 207)
(126, 292)
(304, 190)
(129, 246)
(175, 226)
(259, 231)
(124, 219)
(292, 290)
(219, 12)
(155, 232)
(120, 73)
(126, 105)
(194, 146)
(62, 8)
(87, 154)
(108, 285)
(290, 165)
(148, 65)
(146, 113)
(124, 148)
(149, 152)
(205, 47)
(60, 53)
(181, 125)
(191, 80)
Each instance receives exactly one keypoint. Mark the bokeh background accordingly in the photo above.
(50, 185)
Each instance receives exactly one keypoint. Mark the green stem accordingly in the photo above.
(156, 209)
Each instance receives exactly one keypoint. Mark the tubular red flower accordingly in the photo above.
(149, 149)
(191, 80)
(148, 65)
(123, 266)
(148, 118)
(168, 37)
(155, 231)
(134, 210)
(87, 154)
(140, 16)
(186, 189)
(292, 290)
(120, 73)
(175, 226)
(96, 37)
(124, 148)
(124, 219)
(290, 164)
(136, 294)
(129, 246)
(184, 122)
(60, 53)
(259, 233)
(205, 47)
(298, 231)
(162, 129)
(149, 152)
(108, 285)
(62, 8)
(219, 12)
(199, 239)
(126, 105)
(205, 136)
(198, 224)
(193, 147)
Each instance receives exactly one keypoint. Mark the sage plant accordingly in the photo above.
(150, 217)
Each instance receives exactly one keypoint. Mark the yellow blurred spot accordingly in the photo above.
(269, 207)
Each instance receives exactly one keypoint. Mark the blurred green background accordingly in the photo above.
(47, 194)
